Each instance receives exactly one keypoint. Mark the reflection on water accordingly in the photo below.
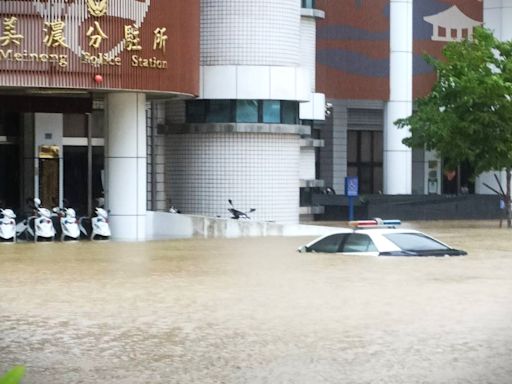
(255, 311)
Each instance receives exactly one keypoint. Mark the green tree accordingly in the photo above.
(14, 376)
(467, 117)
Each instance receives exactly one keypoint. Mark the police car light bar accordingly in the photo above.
(375, 223)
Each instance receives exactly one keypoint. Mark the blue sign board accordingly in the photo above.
(351, 186)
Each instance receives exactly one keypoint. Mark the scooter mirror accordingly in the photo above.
(37, 202)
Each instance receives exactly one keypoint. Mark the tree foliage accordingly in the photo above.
(14, 376)
(468, 115)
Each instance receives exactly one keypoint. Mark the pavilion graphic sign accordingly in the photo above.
(93, 36)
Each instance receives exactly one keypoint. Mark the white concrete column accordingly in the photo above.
(398, 157)
(125, 162)
(497, 18)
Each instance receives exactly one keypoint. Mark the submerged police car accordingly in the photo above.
(380, 238)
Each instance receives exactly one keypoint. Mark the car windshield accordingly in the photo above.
(415, 242)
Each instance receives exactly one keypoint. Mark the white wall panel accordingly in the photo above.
(307, 164)
(254, 170)
(308, 48)
(397, 157)
(497, 17)
(303, 84)
(283, 84)
(314, 108)
(219, 82)
(248, 32)
(125, 163)
(253, 82)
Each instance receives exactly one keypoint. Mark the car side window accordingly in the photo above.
(329, 244)
(358, 242)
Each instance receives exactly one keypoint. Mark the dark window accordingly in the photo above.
(308, 3)
(415, 242)
(242, 111)
(75, 175)
(344, 242)
(75, 125)
(271, 111)
(364, 159)
(196, 111)
(329, 244)
(219, 111)
(9, 123)
(246, 111)
(10, 175)
(352, 148)
(97, 125)
(290, 113)
(357, 242)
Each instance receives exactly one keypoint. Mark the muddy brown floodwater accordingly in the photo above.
(254, 310)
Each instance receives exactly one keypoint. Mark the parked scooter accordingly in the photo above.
(40, 225)
(68, 228)
(7, 225)
(237, 214)
(97, 227)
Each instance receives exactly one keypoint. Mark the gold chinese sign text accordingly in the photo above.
(54, 36)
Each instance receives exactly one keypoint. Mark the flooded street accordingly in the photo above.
(254, 310)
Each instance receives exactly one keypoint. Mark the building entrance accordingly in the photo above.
(54, 155)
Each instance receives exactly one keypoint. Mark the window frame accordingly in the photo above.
(360, 165)
(198, 111)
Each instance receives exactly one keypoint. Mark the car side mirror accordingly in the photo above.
(302, 249)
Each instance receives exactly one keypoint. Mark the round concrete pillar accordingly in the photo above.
(397, 157)
(125, 163)
(497, 16)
